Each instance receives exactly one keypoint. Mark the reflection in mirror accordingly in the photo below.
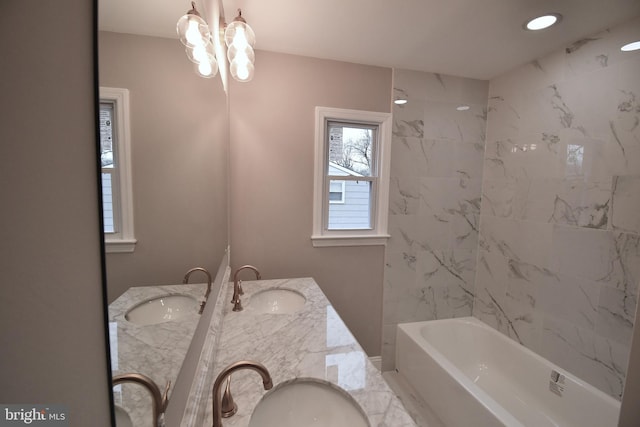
(178, 149)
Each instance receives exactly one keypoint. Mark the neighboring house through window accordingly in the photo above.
(115, 157)
(351, 182)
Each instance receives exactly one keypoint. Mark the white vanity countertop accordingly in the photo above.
(311, 343)
(156, 351)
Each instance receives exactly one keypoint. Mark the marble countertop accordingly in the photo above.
(156, 351)
(310, 343)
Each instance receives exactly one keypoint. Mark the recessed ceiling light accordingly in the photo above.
(462, 107)
(631, 46)
(400, 101)
(542, 22)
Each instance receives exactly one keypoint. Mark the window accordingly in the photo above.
(351, 182)
(115, 157)
(336, 191)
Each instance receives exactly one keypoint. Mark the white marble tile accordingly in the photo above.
(582, 204)
(404, 195)
(600, 50)
(595, 359)
(582, 252)
(408, 121)
(408, 157)
(616, 314)
(572, 299)
(444, 122)
(415, 405)
(626, 204)
(422, 87)
(439, 155)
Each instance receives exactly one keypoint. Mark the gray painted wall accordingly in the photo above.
(52, 342)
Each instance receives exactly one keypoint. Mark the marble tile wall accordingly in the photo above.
(558, 262)
(434, 203)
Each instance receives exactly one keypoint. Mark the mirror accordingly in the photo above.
(178, 126)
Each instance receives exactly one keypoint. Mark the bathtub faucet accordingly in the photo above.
(206, 295)
(220, 380)
(237, 286)
(159, 400)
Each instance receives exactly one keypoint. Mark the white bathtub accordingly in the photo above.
(473, 376)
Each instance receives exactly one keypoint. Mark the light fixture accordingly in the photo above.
(462, 107)
(631, 46)
(543, 21)
(400, 101)
(194, 33)
(240, 39)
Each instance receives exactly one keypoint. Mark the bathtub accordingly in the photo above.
(473, 376)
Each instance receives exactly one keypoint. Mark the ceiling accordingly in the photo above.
(468, 38)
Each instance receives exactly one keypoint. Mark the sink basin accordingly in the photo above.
(162, 309)
(122, 417)
(277, 301)
(307, 402)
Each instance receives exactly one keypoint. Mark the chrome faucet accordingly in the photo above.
(206, 295)
(220, 380)
(159, 400)
(237, 286)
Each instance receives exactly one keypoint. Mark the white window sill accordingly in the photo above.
(349, 240)
(119, 246)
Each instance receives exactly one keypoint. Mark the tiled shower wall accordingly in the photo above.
(559, 255)
(434, 212)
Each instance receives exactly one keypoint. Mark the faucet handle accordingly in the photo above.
(229, 407)
(240, 290)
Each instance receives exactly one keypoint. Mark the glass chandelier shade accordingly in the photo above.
(240, 39)
(192, 29)
(194, 33)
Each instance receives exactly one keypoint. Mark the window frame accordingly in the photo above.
(321, 236)
(123, 239)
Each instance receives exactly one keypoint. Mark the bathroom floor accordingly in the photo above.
(421, 413)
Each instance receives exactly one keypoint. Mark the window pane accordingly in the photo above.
(107, 203)
(355, 211)
(106, 135)
(336, 191)
(351, 147)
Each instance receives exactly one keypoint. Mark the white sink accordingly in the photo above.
(122, 417)
(162, 309)
(307, 402)
(277, 301)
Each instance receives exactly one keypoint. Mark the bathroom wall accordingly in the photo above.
(434, 204)
(272, 143)
(52, 331)
(179, 143)
(559, 253)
